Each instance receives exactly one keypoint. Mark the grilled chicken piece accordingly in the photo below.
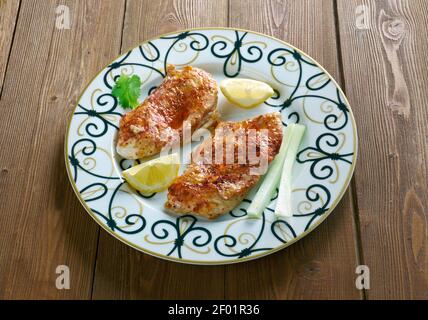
(187, 94)
(211, 190)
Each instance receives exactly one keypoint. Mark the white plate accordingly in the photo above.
(306, 93)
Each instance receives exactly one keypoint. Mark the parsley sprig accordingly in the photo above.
(127, 90)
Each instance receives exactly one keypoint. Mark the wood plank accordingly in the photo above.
(322, 265)
(8, 17)
(122, 272)
(43, 223)
(384, 61)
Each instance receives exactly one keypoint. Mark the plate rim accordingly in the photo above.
(236, 260)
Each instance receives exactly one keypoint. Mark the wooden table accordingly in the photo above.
(377, 50)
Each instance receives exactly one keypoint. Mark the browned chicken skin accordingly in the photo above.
(189, 94)
(211, 190)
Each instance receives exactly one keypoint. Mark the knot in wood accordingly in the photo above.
(394, 29)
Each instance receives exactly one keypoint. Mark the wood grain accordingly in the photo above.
(322, 265)
(8, 17)
(384, 63)
(43, 224)
(122, 272)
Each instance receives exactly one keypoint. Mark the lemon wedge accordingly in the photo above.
(246, 93)
(155, 175)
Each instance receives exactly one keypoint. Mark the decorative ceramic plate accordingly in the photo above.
(304, 93)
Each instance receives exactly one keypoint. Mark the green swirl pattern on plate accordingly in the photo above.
(304, 93)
